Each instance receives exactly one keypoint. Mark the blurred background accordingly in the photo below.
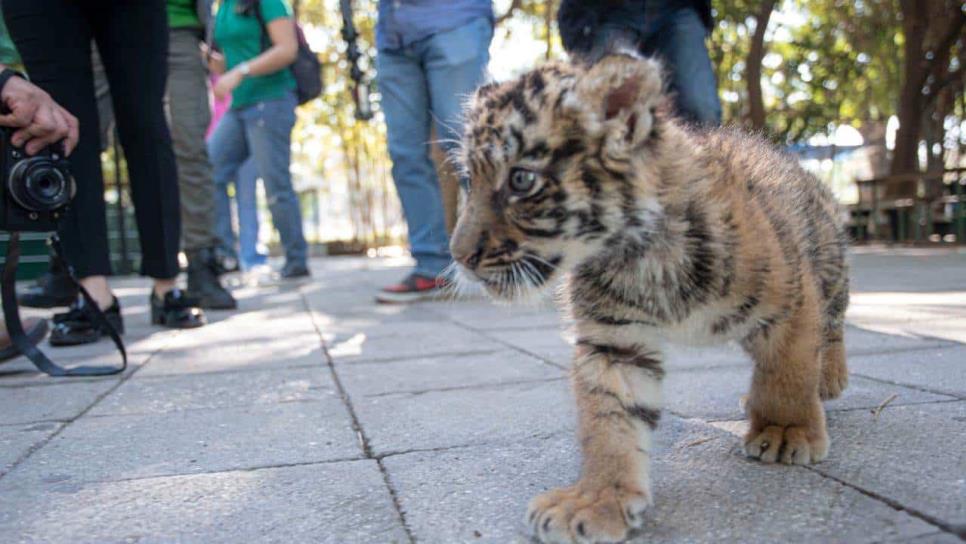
(869, 94)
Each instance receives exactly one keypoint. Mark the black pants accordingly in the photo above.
(53, 38)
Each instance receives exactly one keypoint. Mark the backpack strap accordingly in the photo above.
(265, 38)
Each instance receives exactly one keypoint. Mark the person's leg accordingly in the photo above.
(132, 38)
(268, 130)
(246, 197)
(187, 100)
(405, 103)
(678, 38)
(455, 66)
(189, 115)
(228, 150)
(223, 228)
(56, 52)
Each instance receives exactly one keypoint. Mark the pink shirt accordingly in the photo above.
(218, 108)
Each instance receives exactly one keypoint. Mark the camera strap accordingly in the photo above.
(11, 315)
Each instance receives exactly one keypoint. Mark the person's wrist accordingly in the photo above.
(6, 75)
(245, 69)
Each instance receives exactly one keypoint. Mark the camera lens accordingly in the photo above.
(39, 185)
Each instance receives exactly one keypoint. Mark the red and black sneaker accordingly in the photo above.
(412, 289)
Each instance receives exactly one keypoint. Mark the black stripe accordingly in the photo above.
(568, 149)
(740, 315)
(649, 416)
(643, 362)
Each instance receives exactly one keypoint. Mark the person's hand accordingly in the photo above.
(227, 83)
(40, 120)
(213, 59)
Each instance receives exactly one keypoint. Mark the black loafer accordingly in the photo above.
(77, 326)
(176, 311)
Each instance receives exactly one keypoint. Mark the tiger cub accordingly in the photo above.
(662, 233)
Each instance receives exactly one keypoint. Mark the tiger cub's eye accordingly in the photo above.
(522, 181)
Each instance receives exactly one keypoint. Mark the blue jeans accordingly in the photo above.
(262, 132)
(675, 34)
(427, 82)
(247, 207)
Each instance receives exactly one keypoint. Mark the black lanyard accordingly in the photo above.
(11, 315)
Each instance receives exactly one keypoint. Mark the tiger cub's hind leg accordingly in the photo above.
(787, 420)
(835, 373)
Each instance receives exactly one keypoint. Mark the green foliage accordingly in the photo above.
(828, 62)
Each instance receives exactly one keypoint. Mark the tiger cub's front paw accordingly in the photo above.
(791, 445)
(587, 513)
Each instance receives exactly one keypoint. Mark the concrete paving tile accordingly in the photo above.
(60, 402)
(192, 441)
(860, 341)
(438, 339)
(217, 390)
(705, 491)
(486, 315)
(17, 440)
(451, 418)
(714, 393)
(250, 351)
(556, 346)
(937, 538)
(553, 345)
(357, 300)
(21, 371)
(335, 503)
(912, 455)
(940, 369)
(443, 372)
(911, 270)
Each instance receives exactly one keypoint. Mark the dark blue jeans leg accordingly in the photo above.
(455, 64)
(680, 42)
(405, 103)
(268, 130)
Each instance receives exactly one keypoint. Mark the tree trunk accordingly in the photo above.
(905, 156)
(756, 102)
(873, 134)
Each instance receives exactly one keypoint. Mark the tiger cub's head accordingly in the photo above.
(548, 157)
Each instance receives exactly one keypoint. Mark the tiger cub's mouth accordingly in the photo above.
(514, 279)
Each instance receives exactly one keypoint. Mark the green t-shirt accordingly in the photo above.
(241, 38)
(8, 53)
(183, 14)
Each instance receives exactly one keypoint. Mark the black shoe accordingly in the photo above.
(224, 260)
(203, 283)
(77, 326)
(176, 311)
(53, 289)
(293, 271)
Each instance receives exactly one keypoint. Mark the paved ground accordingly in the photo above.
(313, 415)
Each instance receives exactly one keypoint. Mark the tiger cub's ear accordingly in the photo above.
(621, 93)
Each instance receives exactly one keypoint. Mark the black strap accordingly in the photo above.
(266, 40)
(11, 315)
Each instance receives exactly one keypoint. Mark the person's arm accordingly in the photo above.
(282, 53)
(213, 58)
(40, 121)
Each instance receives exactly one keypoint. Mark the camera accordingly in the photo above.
(34, 189)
